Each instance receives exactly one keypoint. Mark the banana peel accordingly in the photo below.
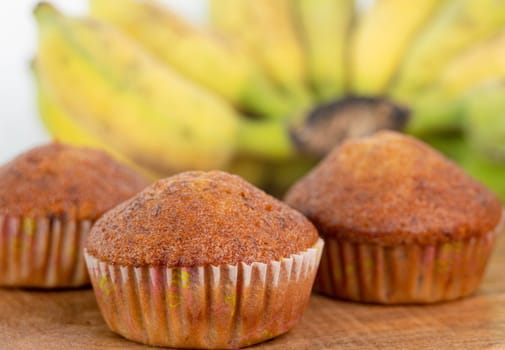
(266, 30)
(221, 67)
(64, 128)
(382, 37)
(457, 26)
(324, 27)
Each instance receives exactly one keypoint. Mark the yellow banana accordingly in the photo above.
(142, 108)
(459, 25)
(204, 58)
(441, 107)
(381, 39)
(481, 63)
(64, 128)
(325, 27)
(265, 28)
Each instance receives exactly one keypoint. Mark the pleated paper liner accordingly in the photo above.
(43, 252)
(227, 306)
(404, 273)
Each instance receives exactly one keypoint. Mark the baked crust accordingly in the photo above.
(393, 189)
(57, 180)
(197, 219)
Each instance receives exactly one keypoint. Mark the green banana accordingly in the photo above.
(381, 39)
(221, 66)
(441, 108)
(142, 108)
(266, 29)
(457, 26)
(485, 120)
(325, 27)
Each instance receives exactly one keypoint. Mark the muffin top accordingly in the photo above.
(57, 180)
(200, 218)
(393, 189)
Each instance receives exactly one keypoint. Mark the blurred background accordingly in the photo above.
(20, 126)
(263, 88)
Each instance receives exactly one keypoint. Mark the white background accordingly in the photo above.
(19, 123)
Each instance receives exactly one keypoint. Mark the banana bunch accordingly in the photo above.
(375, 61)
(172, 40)
(99, 88)
(270, 86)
(266, 30)
(460, 25)
(441, 108)
(324, 26)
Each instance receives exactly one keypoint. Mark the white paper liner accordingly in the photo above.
(404, 273)
(227, 306)
(43, 252)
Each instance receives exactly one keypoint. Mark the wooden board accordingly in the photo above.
(71, 320)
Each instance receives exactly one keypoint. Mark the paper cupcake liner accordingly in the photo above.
(403, 273)
(42, 253)
(227, 306)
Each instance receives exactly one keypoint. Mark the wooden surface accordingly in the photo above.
(71, 320)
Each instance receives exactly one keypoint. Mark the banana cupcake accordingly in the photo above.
(402, 224)
(202, 260)
(49, 198)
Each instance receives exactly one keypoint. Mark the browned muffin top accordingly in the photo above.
(391, 189)
(65, 181)
(200, 218)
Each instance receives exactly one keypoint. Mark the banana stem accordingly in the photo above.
(44, 10)
(265, 139)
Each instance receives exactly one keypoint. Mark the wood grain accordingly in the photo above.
(71, 320)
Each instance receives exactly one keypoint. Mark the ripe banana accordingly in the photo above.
(380, 40)
(142, 108)
(441, 108)
(479, 64)
(266, 29)
(64, 128)
(457, 26)
(220, 66)
(325, 27)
